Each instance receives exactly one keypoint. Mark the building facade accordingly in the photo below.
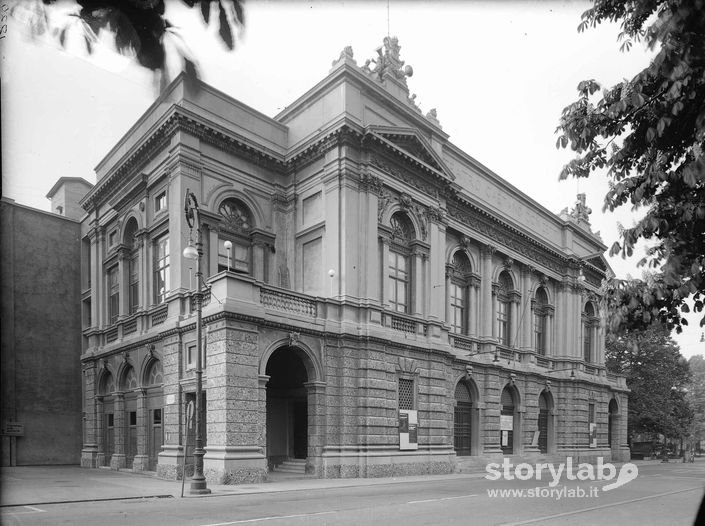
(377, 302)
(41, 331)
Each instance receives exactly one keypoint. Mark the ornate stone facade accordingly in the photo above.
(369, 315)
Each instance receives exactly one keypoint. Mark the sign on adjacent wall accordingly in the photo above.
(13, 429)
(408, 429)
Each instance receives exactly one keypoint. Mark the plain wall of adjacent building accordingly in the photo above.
(41, 336)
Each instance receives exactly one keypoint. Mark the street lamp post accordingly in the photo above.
(198, 482)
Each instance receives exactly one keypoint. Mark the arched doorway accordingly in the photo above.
(462, 431)
(155, 432)
(545, 422)
(106, 414)
(613, 411)
(287, 406)
(509, 431)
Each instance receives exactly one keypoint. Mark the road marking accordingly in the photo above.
(575, 512)
(275, 517)
(437, 500)
(31, 509)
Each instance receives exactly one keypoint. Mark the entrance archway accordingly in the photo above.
(466, 421)
(287, 405)
(509, 421)
(612, 424)
(545, 422)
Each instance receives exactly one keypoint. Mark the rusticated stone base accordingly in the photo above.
(118, 461)
(140, 463)
(89, 458)
(238, 476)
(169, 471)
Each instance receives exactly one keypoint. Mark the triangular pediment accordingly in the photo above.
(599, 262)
(411, 144)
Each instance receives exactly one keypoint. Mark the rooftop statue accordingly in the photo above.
(388, 62)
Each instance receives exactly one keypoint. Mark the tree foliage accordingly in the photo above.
(696, 396)
(648, 135)
(658, 378)
(138, 27)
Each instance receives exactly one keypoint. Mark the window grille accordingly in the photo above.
(406, 394)
(462, 394)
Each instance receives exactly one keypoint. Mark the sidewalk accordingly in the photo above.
(35, 485)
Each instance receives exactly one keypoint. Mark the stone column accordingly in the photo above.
(90, 446)
(475, 306)
(100, 431)
(118, 460)
(316, 393)
(527, 314)
(417, 284)
(141, 460)
(170, 457)
(486, 295)
(384, 254)
(370, 187)
(263, 379)
(549, 331)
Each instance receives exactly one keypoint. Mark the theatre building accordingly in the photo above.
(376, 301)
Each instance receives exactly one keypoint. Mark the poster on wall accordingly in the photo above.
(593, 434)
(506, 422)
(408, 429)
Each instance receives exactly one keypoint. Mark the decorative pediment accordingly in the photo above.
(411, 145)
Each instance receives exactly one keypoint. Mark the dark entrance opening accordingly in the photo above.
(287, 406)
(463, 421)
(507, 421)
(543, 423)
(611, 423)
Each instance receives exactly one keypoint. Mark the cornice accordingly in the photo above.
(506, 235)
(176, 120)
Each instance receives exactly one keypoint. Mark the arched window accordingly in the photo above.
(133, 263)
(130, 380)
(458, 285)
(155, 376)
(107, 385)
(236, 227)
(590, 323)
(398, 263)
(540, 314)
(504, 308)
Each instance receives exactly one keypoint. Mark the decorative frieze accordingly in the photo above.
(505, 236)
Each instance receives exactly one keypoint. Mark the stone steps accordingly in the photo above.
(292, 465)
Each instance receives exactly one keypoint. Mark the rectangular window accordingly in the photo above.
(134, 290)
(540, 333)
(239, 256)
(114, 291)
(160, 202)
(587, 342)
(161, 270)
(457, 308)
(133, 418)
(503, 326)
(191, 356)
(157, 417)
(398, 282)
(406, 394)
(111, 420)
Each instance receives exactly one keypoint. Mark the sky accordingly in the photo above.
(498, 73)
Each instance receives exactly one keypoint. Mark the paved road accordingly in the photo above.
(662, 494)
